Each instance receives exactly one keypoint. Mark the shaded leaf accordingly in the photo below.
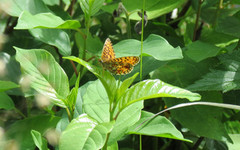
(21, 129)
(221, 80)
(229, 26)
(198, 51)
(7, 85)
(84, 133)
(45, 74)
(54, 37)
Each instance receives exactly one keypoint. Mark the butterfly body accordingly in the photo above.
(118, 66)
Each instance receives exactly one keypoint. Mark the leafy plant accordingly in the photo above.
(56, 95)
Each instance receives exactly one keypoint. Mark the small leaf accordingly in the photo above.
(39, 141)
(148, 89)
(6, 101)
(7, 85)
(158, 126)
(44, 20)
(84, 133)
(46, 75)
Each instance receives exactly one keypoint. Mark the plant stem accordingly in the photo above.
(141, 69)
(69, 115)
(196, 145)
(128, 25)
(74, 68)
(197, 20)
(19, 112)
(220, 6)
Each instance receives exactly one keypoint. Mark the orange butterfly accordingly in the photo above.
(118, 66)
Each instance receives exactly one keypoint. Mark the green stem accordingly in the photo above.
(128, 25)
(142, 40)
(20, 113)
(220, 6)
(69, 115)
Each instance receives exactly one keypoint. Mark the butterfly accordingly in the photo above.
(118, 66)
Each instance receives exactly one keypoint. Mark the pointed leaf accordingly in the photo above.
(44, 20)
(84, 133)
(105, 77)
(39, 141)
(158, 126)
(46, 75)
(90, 7)
(7, 85)
(148, 89)
(6, 101)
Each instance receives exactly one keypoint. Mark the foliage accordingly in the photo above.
(56, 95)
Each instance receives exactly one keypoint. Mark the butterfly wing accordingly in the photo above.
(122, 65)
(107, 52)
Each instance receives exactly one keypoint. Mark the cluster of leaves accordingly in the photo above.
(49, 102)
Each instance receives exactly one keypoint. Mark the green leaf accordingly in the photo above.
(148, 89)
(236, 144)
(158, 126)
(96, 102)
(229, 26)
(6, 101)
(221, 80)
(39, 141)
(154, 8)
(15, 7)
(128, 117)
(44, 20)
(198, 51)
(52, 2)
(105, 77)
(84, 133)
(71, 98)
(54, 37)
(204, 121)
(7, 85)
(90, 7)
(46, 75)
(21, 129)
(155, 46)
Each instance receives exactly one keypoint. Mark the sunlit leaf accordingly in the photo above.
(84, 133)
(46, 75)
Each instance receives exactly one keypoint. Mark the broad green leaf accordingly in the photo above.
(90, 7)
(155, 46)
(221, 80)
(158, 126)
(21, 129)
(198, 51)
(229, 26)
(44, 20)
(128, 117)
(148, 89)
(15, 7)
(54, 37)
(105, 77)
(6, 101)
(84, 133)
(46, 75)
(204, 121)
(96, 102)
(39, 141)
(7, 85)
(113, 146)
